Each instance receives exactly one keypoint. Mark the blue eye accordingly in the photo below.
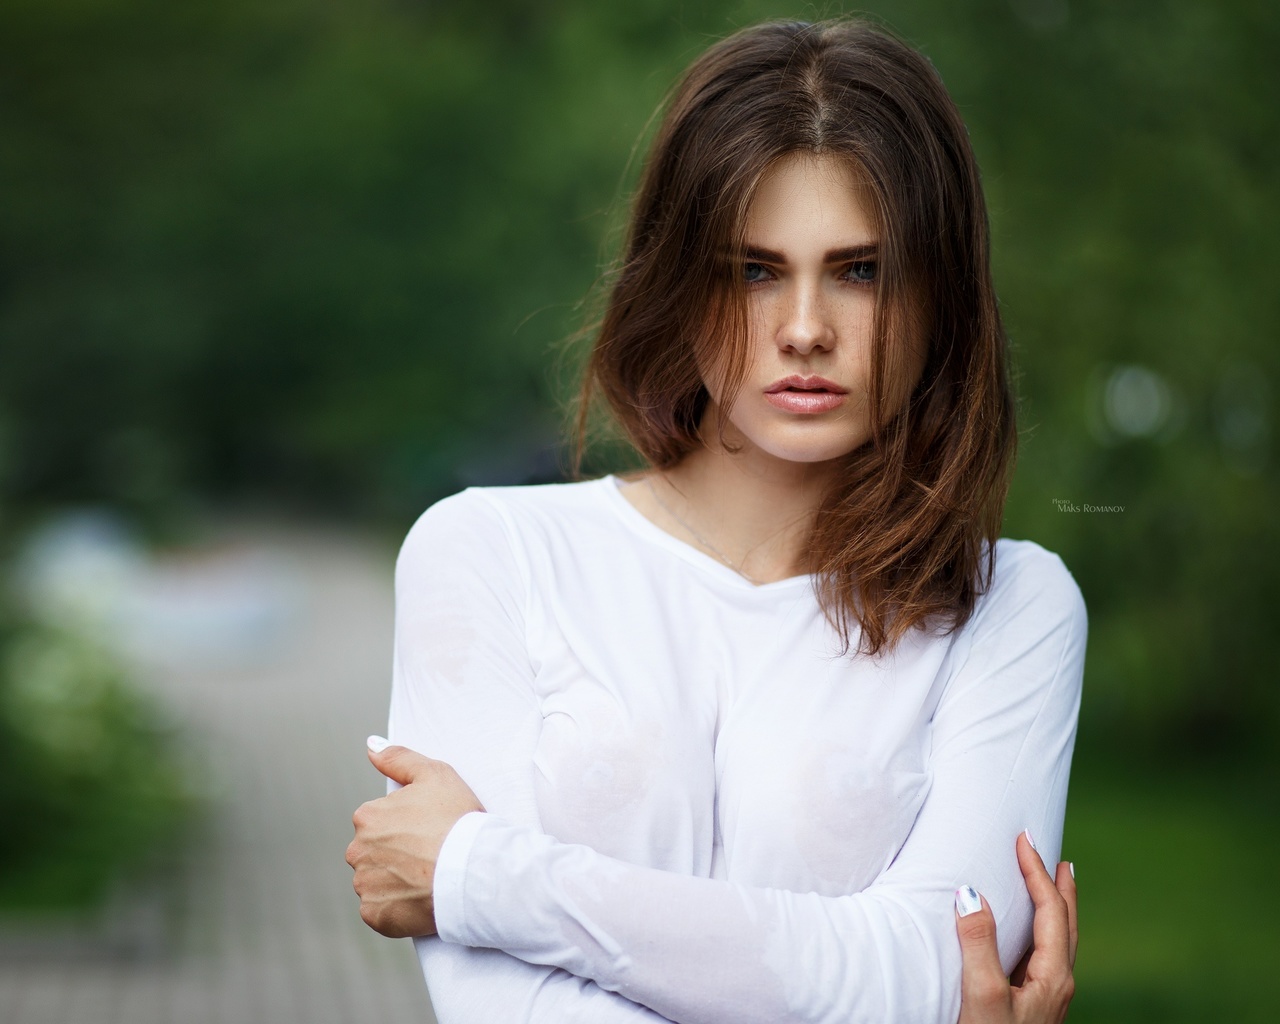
(862, 272)
(753, 272)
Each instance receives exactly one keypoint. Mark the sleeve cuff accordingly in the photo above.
(449, 884)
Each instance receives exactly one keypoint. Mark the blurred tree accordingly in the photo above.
(91, 782)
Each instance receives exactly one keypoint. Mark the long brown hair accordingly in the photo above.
(906, 536)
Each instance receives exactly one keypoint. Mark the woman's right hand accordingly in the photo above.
(1042, 984)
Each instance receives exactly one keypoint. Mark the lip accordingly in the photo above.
(810, 394)
(805, 384)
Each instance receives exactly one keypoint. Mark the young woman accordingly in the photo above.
(735, 730)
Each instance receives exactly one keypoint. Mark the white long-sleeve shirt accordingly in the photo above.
(696, 809)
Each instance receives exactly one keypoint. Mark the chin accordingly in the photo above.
(799, 441)
(811, 451)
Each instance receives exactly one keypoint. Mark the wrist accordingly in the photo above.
(449, 882)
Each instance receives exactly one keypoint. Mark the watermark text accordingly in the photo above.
(1066, 505)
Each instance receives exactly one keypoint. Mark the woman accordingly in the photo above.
(736, 729)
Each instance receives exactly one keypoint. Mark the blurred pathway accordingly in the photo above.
(278, 697)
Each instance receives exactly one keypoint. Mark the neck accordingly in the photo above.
(755, 509)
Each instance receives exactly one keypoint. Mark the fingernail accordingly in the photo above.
(1030, 838)
(377, 744)
(1071, 866)
(967, 901)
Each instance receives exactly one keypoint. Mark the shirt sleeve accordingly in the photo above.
(701, 951)
(461, 692)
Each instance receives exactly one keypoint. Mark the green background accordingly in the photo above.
(260, 252)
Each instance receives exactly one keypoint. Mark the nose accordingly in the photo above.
(805, 324)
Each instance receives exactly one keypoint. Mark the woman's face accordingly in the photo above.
(811, 292)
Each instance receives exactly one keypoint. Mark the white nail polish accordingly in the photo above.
(1071, 866)
(1030, 838)
(967, 901)
(377, 744)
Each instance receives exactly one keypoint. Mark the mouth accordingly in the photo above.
(805, 385)
(805, 396)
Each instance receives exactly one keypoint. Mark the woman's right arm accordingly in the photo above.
(462, 693)
(1042, 984)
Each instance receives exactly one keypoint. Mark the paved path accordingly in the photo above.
(265, 926)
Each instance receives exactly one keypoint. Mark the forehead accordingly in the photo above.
(808, 200)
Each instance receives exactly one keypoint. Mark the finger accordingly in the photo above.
(400, 764)
(1049, 929)
(1065, 881)
(984, 990)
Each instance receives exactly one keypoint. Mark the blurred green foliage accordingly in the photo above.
(1177, 919)
(91, 788)
(327, 250)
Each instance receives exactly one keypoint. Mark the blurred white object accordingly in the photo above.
(1132, 401)
(225, 607)
(1137, 401)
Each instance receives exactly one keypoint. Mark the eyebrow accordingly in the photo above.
(848, 254)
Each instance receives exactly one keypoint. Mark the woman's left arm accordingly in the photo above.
(700, 950)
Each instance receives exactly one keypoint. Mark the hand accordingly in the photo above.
(1042, 984)
(398, 840)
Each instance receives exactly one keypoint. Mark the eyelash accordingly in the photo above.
(855, 266)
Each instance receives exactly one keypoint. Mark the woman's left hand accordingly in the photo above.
(398, 840)
(1042, 984)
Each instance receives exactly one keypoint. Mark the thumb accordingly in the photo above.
(400, 764)
(984, 988)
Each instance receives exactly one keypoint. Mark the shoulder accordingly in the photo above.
(1031, 588)
(1025, 571)
(481, 522)
(1025, 643)
(532, 502)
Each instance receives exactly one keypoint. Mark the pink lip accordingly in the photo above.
(805, 394)
(805, 384)
(804, 401)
